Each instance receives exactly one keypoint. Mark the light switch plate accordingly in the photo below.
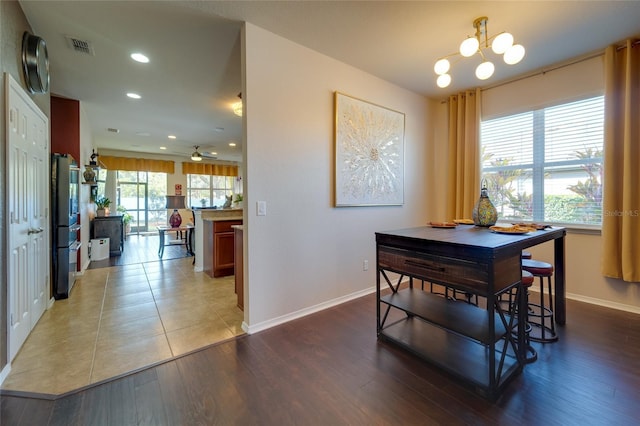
(261, 207)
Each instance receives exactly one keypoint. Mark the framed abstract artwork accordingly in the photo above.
(369, 154)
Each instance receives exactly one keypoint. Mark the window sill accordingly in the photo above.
(573, 228)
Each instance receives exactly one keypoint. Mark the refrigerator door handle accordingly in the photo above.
(35, 231)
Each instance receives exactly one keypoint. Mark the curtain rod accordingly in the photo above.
(543, 71)
(553, 68)
(558, 66)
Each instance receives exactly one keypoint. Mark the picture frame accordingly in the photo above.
(369, 153)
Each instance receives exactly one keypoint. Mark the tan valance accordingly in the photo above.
(209, 169)
(137, 164)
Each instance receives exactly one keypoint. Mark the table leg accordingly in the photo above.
(188, 236)
(161, 248)
(560, 305)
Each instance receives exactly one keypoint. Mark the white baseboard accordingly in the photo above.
(198, 268)
(250, 329)
(604, 303)
(5, 372)
(597, 302)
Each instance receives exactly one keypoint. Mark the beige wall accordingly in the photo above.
(305, 254)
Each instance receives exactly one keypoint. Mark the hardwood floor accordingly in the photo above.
(329, 369)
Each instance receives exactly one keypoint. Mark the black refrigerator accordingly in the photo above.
(65, 190)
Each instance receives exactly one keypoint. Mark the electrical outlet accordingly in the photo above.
(365, 265)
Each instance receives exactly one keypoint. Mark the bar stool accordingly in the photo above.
(526, 254)
(543, 313)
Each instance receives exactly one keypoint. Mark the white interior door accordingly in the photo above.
(27, 213)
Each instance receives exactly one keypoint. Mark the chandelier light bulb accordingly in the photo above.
(443, 80)
(514, 54)
(442, 66)
(485, 70)
(469, 47)
(501, 43)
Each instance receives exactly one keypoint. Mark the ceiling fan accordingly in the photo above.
(198, 156)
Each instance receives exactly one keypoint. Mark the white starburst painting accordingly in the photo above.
(369, 154)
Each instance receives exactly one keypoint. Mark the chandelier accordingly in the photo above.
(501, 44)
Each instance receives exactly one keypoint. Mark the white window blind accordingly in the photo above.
(546, 165)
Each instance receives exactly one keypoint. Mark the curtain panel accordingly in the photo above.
(463, 178)
(129, 164)
(621, 194)
(209, 169)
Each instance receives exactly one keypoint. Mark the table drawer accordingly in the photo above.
(469, 275)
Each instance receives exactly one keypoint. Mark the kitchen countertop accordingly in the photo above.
(215, 215)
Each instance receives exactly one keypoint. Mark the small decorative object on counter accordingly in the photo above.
(102, 206)
(175, 219)
(89, 175)
(484, 212)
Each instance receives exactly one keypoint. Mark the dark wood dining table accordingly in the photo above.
(475, 344)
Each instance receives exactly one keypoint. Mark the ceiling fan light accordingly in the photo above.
(196, 156)
(443, 80)
(514, 54)
(442, 66)
(501, 43)
(469, 47)
(485, 70)
(237, 108)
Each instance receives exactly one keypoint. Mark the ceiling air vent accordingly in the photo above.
(80, 46)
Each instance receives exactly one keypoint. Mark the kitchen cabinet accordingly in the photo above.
(219, 255)
(111, 227)
(238, 265)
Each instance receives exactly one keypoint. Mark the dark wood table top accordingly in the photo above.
(465, 239)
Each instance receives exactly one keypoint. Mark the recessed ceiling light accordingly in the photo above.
(139, 57)
(171, 136)
(134, 96)
(213, 153)
(143, 134)
(163, 148)
(232, 144)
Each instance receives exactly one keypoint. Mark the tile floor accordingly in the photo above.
(123, 318)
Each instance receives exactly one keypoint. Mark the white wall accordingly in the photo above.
(305, 254)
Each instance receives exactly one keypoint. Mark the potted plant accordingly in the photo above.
(126, 219)
(238, 201)
(102, 206)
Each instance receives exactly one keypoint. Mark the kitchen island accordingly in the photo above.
(480, 345)
(204, 246)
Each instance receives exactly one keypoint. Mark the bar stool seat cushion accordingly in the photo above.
(537, 267)
(527, 278)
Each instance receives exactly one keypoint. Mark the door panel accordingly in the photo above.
(28, 213)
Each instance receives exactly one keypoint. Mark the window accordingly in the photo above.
(208, 191)
(141, 194)
(546, 165)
